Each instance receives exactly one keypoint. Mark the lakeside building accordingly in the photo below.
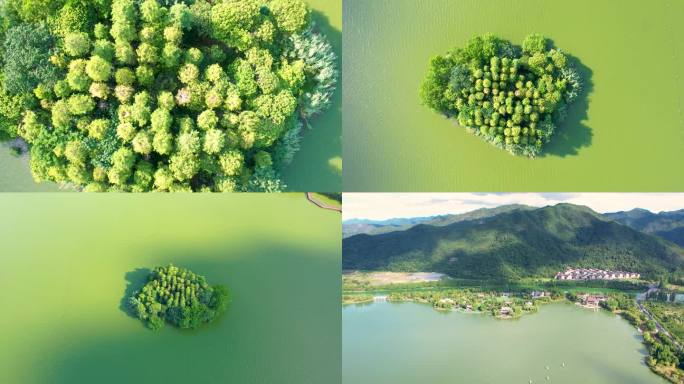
(592, 301)
(594, 274)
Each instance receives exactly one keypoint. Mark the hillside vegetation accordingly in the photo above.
(516, 244)
(668, 225)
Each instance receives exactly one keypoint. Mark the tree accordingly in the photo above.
(124, 76)
(161, 120)
(232, 21)
(98, 128)
(80, 104)
(27, 50)
(142, 143)
(166, 101)
(207, 120)
(534, 43)
(183, 165)
(213, 98)
(214, 140)
(38, 10)
(99, 69)
(291, 15)
(77, 44)
(76, 78)
(163, 142)
(231, 162)
(147, 53)
(125, 54)
(188, 73)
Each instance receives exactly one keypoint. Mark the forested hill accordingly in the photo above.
(371, 227)
(515, 244)
(668, 225)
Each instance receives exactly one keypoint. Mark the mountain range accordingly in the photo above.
(668, 225)
(511, 242)
(374, 227)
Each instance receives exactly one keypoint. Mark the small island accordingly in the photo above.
(179, 297)
(512, 97)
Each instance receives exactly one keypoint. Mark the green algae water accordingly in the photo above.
(411, 343)
(626, 133)
(68, 260)
(314, 167)
(15, 174)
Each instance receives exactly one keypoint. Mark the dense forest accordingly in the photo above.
(517, 244)
(132, 95)
(179, 297)
(513, 97)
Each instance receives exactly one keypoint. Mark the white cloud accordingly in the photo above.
(381, 206)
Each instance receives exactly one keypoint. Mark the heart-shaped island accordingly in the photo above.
(513, 97)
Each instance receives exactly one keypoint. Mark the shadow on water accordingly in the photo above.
(323, 142)
(283, 324)
(135, 280)
(573, 134)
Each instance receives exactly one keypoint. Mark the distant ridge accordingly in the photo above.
(373, 227)
(668, 225)
(515, 242)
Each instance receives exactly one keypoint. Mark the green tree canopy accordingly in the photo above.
(203, 96)
(511, 97)
(179, 297)
(27, 49)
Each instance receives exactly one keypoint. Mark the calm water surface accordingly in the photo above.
(68, 259)
(625, 134)
(412, 343)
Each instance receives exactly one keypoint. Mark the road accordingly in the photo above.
(312, 198)
(659, 327)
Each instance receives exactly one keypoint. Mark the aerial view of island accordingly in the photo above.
(132, 288)
(510, 96)
(515, 288)
(438, 95)
(137, 96)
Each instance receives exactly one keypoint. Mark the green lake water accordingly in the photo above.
(68, 259)
(15, 174)
(314, 167)
(413, 343)
(626, 133)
